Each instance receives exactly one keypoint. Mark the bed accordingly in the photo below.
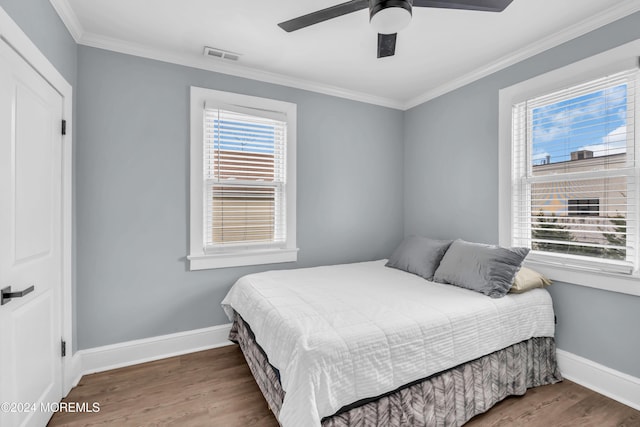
(363, 344)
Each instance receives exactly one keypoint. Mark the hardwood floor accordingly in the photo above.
(215, 388)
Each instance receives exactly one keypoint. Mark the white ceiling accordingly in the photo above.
(440, 50)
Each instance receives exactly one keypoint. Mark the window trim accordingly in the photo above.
(236, 255)
(609, 62)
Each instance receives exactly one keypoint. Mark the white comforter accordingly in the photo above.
(343, 333)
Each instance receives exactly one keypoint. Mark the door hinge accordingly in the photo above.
(63, 348)
(64, 127)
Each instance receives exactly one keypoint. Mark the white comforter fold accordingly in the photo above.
(342, 333)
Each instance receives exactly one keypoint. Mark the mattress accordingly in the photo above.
(340, 334)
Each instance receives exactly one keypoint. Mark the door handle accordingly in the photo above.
(6, 295)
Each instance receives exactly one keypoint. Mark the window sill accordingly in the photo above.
(242, 258)
(613, 282)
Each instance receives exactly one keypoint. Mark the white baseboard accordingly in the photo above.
(599, 378)
(149, 349)
(614, 384)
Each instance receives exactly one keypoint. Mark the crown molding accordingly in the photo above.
(71, 21)
(622, 9)
(201, 62)
(69, 18)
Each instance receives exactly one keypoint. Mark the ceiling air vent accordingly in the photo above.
(213, 52)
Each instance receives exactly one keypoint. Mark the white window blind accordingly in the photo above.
(244, 178)
(575, 175)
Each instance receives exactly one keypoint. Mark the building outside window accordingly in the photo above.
(584, 207)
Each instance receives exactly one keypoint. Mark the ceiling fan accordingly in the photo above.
(388, 17)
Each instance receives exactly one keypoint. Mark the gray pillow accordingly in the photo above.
(419, 255)
(487, 269)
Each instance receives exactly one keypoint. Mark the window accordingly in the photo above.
(245, 178)
(584, 207)
(569, 170)
(584, 134)
(242, 180)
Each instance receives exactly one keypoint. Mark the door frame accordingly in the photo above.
(13, 35)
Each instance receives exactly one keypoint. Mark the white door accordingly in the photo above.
(30, 243)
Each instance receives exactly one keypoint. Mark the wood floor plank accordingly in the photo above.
(543, 405)
(215, 388)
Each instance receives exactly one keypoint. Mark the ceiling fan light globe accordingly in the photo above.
(390, 20)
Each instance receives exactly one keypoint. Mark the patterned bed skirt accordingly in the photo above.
(449, 398)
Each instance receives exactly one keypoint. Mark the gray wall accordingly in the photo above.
(41, 23)
(451, 191)
(132, 193)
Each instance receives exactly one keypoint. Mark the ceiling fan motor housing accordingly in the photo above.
(396, 14)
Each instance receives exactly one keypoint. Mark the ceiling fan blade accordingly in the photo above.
(484, 5)
(386, 45)
(324, 15)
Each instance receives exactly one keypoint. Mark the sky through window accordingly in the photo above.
(594, 121)
(244, 136)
